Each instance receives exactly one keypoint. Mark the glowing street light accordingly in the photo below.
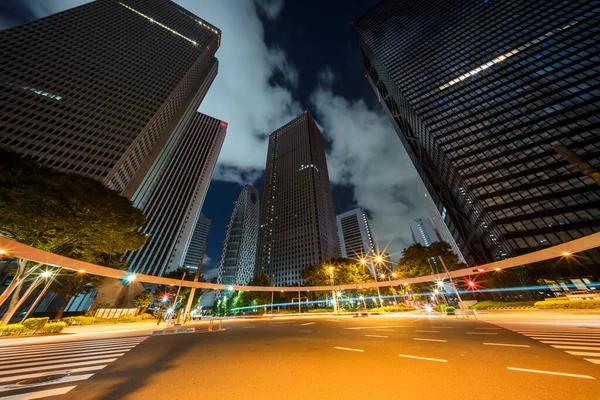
(363, 261)
(472, 284)
(81, 271)
(46, 274)
(394, 274)
(379, 259)
(566, 253)
(2, 252)
(130, 278)
(440, 284)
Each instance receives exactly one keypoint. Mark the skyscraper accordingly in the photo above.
(195, 249)
(423, 232)
(496, 105)
(297, 223)
(239, 250)
(180, 180)
(356, 240)
(100, 88)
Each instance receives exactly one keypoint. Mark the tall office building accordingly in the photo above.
(297, 223)
(239, 250)
(423, 232)
(195, 249)
(356, 240)
(438, 220)
(100, 88)
(180, 180)
(496, 103)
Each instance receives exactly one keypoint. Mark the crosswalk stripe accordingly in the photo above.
(51, 351)
(78, 347)
(57, 366)
(58, 354)
(583, 353)
(577, 348)
(563, 336)
(40, 394)
(560, 334)
(52, 361)
(68, 345)
(68, 379)
(88, 356)
(66, 371)
(593, 360)
(74, 342)
(577, 342)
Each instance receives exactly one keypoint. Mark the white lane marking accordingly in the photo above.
(308, 323)
(385, 330)
(431, 340)
(578, 348)
(40, 394)
(507, 344)
(55, 357)
(72, 344)
(495, 329)
(481, 333)
(593, 360)
(378, 327)
(66, 371)
(427, 331)
(547, 337)
(349, 349)
(583, 353)
(551, 373)
(423, 358)
(68, 379)
(333, 320)
(52, 361)
(381, 336)
(586, 341)
(248, 327)
(57, 366)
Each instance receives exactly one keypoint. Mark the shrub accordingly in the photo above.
(449, 310)
(12, 330)
(54, 327)
(398, 308)
(34, 324)
(145, 317)
(567, 304)
(482, 305)
(79, 320)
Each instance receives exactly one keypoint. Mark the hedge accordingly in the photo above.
(33, 325)
(53, 327)
(567, 304)
(482, 305)
(12, 330)
(80, 320)
(398, 308)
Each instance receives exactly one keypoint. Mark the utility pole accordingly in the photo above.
(188, 306)
(299, 301)
(177, 297)
(272, 291)
(333, 299)
(462, 306)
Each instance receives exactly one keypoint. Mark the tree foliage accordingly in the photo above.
(418, 260)
(71, 283)
(67, 214)
(184, 293)
(143, 300)
(345, 272)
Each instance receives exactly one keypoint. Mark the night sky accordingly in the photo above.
(276, 60)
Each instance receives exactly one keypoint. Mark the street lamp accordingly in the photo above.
(130, 277)
(45, 274)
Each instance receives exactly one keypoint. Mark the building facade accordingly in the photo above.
(356, 240)
(438, 220)
(423, 232)
(238, 258)
(297, 225)
(195, 250)
(180, 180)
(496, 105)
(100, 88)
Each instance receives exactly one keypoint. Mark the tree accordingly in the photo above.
(143, 300)
(345, 272)
(418, 260)
(67, 214)
(184, 293)
(69, 284)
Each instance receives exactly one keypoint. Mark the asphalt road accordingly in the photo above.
(376, 357)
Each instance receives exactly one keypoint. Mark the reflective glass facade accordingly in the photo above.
(497, 105)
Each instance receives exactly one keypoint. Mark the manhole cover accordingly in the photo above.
(42, 379)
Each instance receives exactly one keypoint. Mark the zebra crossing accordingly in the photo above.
(39, 371)
(581, 341)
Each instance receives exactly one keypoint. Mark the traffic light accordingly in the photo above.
(479, 270)
(165, 298)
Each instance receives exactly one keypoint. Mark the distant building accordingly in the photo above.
(172, 195)
(356, 237)
(194, 252)
(100, 88)
(297, 225)
(238, 258)
(423, 232)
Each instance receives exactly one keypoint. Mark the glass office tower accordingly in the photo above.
(496, 103)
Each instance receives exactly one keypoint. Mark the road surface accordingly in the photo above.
(402, 357)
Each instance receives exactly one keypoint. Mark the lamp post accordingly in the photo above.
(272, 292)
(333, 299)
